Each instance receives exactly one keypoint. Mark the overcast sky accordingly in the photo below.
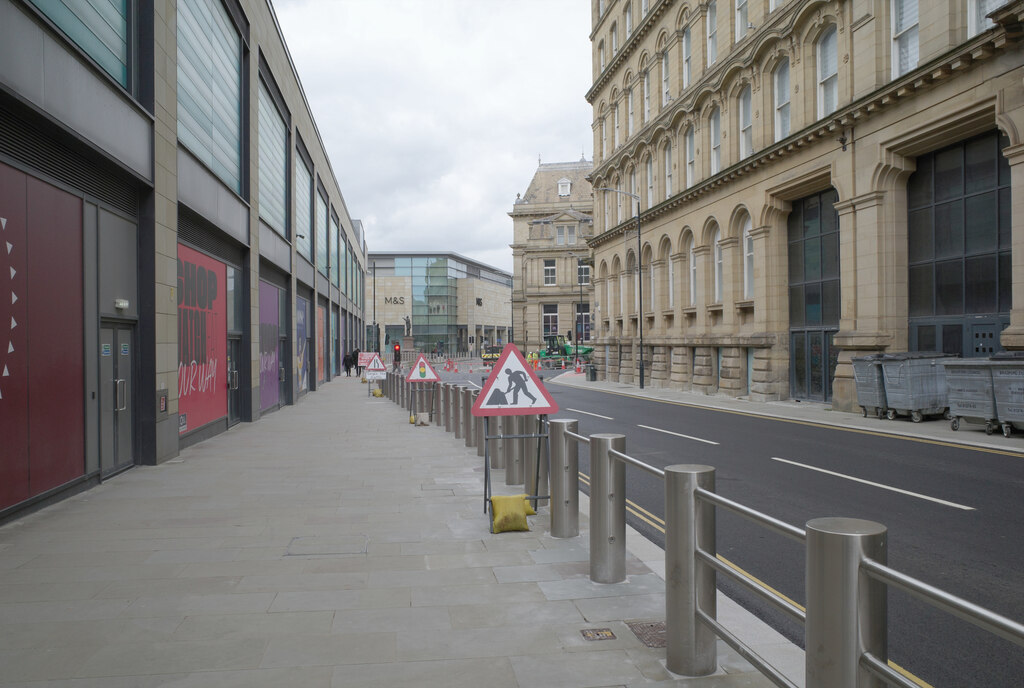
(434, 112)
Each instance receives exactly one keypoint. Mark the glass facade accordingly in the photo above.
(98, 27)
(209, 88)
(321, 235)
(273, 156)
(332, 237)
(303, 213)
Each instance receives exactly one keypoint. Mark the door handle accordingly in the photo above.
(122, 394)
(280, 374)
(234, 379)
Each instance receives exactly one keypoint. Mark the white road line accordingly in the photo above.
(679, 434)
(598, 415)
(884, 487)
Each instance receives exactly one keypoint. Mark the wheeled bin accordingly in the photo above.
(1008, 387)
(969, 393)
(915, 384)
(867, 373)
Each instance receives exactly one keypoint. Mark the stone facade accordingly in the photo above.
(728, 130)
(551, 223)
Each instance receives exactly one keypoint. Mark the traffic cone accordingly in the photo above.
(563, 364)
(456, 367)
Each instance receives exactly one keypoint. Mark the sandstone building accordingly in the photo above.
(817, 180)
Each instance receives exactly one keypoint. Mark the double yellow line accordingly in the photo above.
(658, 524)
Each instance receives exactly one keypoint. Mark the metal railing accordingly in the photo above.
(847, 577)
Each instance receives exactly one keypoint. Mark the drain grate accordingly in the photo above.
(650, 633)
(598, 634)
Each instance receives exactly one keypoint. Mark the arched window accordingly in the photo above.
(666, 94)
(691, 158)
(781, 79)
(748, 260)
(741, 19)
(746, 124)
(615, 38)
(671, 280)
(650, 182)
(627, 16)
(633, 189)
(687, 49)
(691, 259)
(600, 56)
(647, 97)
(615, 127)
(604, 138)
(716, 244)
(618, 206)
(828, 73)
(716, 140)
(668, 169)
(629, 109)
(712, 31)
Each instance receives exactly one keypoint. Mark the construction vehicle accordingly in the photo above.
(559, 349)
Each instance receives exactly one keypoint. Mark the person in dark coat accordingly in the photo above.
(347, 362)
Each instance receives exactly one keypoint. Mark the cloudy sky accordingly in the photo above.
(434, 112)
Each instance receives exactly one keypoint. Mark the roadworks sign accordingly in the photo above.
(375, 369)
(512, 389)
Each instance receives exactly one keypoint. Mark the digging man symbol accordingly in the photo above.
(516, 384)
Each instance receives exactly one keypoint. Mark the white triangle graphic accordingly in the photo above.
(10, 347)
(3, 222)
(14, 298)
(13, 273)
(14, 323)
(6, 374)
(9, 247)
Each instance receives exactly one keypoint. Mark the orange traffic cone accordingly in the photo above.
(456, 367)
(563, 364)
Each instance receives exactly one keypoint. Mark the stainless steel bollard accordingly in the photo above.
(565, 480)
(514, 451)
(530, 457)
(457, 412)
(689, 585)
(435, 400)
(498, 445)
(846, 610)
(545, 463)
(468, 431)
(607, 509)
(478, 429)
(446, 405)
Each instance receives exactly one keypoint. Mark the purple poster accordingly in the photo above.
(301, 348)
(269, 329)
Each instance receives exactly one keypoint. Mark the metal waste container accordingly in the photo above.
(915, 384)
(591, 372)
(1008, 388)
(867, 373)
(969, 393)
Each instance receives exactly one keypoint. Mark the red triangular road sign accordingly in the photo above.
(376, 364)
(422, 371)
(512, 389)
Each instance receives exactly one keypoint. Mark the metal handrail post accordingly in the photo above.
(607, 510)
(689, 585)
(387, 386)
(846, 609)
(499, 445)
(565, 480)
(468, 431)
(514, 451)
(446, 403)
(530, 457)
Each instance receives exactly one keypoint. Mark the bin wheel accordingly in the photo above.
(947, 415)
(890, 414)
(1007, 429)
(988, 428)
(864, 411)
(916, 416)
(954, 424)
(880, 413)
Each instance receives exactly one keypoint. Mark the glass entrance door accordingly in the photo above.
(234, 395)
(117, 372)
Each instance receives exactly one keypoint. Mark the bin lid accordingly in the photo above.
(907, 355)
(1007, 356)
(869, 357)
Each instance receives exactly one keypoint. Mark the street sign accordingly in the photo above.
(513, 390)
(375, 369)
(422, 371)
(364, 358)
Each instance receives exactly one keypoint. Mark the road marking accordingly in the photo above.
(879, 485)
(598, 415)
(678, 434)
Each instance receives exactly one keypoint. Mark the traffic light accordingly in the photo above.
(398, 353)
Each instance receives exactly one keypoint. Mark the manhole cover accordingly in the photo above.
(598, 634)
(650, 633)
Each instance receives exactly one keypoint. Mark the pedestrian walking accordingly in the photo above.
(347, 362)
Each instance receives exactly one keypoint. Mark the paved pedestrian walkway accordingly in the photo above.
(330, 544)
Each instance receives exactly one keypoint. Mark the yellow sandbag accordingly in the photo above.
(509, 513)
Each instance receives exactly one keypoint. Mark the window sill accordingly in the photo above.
(690, 310)
(747, 305)
(715, 308)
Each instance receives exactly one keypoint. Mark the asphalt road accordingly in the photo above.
(955, 516)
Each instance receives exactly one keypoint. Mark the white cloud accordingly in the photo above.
(433, 113)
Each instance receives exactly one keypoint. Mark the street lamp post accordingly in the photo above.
(639, 277)
(579, 308)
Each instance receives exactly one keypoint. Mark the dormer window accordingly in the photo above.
(564, 187)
